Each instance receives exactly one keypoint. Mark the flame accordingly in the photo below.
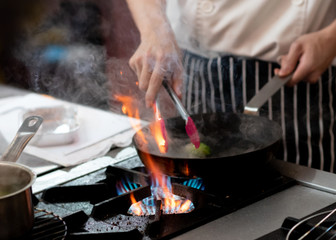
(187, 172)
(159, 132)
(161, 186)
(185, 206)
(137, 208)
(47, 96)
(170, 203)
(131, 111)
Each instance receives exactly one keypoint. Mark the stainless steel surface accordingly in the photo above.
(38, 165)
(310, 177)
(25, 133)
(16, 207)
(270, 88)
(16, 180)
(314, 191)
(264, 216)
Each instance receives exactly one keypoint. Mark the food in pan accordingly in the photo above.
(203, 150)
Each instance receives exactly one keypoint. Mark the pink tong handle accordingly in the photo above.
(190, 126)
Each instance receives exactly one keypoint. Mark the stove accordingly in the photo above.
(95, 205)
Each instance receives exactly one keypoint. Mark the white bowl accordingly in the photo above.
(60, 125)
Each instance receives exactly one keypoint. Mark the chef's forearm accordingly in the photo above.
(148, 15)
(330, 33)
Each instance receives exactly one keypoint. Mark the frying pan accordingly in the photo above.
(238, 142)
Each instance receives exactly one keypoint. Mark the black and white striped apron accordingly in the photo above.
(306, 112)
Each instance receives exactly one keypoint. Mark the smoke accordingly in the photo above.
(79, 76)
(77, 51)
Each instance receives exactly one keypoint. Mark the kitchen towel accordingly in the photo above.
(98, 131)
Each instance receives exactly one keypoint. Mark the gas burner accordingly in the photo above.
(162, 199)
(173, 205)
(97, 206)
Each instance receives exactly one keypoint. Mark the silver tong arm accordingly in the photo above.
(179, 106)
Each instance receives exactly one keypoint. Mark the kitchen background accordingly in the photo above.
(78, 50)
(73, 50)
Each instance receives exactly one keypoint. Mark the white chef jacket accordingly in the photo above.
(262, 29)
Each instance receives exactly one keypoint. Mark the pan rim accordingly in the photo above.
(187, 157)
(24, 168)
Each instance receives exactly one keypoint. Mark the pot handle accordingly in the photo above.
(26, 131)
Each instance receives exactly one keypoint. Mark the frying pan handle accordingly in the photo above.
(270, 88)
(27, 130)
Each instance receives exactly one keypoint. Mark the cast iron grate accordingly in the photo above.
(92, 208)
(47, 225)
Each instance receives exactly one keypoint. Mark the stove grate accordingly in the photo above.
(47, 225)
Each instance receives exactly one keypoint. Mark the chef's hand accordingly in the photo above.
(310, 55)
(158, 54)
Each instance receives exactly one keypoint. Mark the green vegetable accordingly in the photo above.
(202, 151)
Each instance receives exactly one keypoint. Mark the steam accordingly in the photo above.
(64, 54)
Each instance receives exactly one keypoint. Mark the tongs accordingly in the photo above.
(190, 127)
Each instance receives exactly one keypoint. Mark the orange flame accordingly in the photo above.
(131, 111)
(47, 96)
(185, 206)
(137, 208)
(170, 203)
(158, 131)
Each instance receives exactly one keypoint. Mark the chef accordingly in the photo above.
(217, 54)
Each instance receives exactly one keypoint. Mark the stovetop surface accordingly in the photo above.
(264, 216)
(312, 191)
(92, 209)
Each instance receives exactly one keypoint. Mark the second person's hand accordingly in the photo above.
(309, 56)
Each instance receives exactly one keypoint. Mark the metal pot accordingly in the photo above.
(16, 207)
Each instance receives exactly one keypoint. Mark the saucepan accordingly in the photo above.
(16, 207)
(233, 143)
